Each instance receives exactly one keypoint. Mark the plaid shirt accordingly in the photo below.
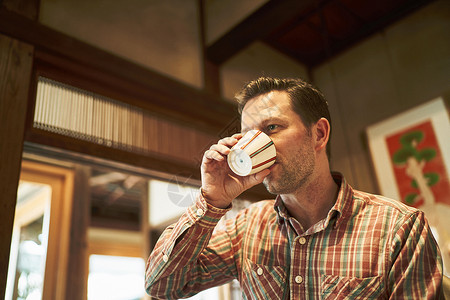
(367, 247)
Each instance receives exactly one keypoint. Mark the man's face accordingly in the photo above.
(272, 113)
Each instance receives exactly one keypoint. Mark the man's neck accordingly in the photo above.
(312, 202)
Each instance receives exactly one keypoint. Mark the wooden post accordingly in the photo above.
(76, 284)
(16, 59)
(15, 73)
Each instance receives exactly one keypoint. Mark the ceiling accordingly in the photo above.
(311, 31)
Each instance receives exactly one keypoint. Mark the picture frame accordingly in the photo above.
(411, 157)
(435, 114)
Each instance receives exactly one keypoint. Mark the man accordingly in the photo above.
(318, 239)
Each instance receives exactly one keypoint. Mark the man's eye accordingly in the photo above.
(272, 127)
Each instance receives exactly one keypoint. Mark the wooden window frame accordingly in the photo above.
(61, 182)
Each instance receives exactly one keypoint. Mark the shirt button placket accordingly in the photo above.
(299, 279)
(299, 264)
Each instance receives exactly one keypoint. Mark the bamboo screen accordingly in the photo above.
(84, 115)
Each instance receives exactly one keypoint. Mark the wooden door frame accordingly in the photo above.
(61, 181)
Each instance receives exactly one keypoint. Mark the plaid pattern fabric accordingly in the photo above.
(368, 247)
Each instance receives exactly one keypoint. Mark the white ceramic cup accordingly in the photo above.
(254, 152)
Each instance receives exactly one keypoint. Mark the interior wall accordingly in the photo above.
(161, 35)
(256, 60)
(404, 66)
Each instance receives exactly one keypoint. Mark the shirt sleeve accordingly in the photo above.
(186, 260)
(416, 271)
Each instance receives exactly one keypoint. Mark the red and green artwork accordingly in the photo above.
(419, 169)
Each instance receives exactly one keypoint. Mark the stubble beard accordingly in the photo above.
(294, 173)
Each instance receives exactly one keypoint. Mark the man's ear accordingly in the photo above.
(322, 133)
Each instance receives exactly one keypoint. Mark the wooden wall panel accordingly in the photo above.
(15, 70)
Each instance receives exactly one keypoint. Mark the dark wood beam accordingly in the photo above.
(255, 27)
(155, 162)
(333, 46)
(48, 144)
(71, 60)
(15, 65)
(339, 46)
(211, 71)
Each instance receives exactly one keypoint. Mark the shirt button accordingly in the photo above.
(165, 258)
(298, 279)
(259, 271)
(302, 240)
(200, 212)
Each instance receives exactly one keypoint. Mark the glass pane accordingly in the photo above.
(116, 277)
(30, 261)
(29, 242)
(169, 200)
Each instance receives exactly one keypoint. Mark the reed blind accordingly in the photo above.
(80, 114)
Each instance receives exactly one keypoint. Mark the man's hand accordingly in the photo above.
(219, 184)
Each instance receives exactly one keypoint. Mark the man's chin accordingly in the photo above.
(269, 187)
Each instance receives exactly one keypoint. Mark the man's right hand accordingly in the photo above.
(219, 184)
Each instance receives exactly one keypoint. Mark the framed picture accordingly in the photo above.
(411, 157)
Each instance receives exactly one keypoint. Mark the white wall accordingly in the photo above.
(405, 65)
(163, 36)
(257, 60)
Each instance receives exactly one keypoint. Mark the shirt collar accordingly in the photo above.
(282, 213)
(342, 204)
(344, 200)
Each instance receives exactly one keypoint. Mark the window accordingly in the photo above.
(29, 242)
(39, 246)
(169, 200)
(115, 277)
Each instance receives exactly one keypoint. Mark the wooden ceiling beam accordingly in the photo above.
(276, 18)
(369, 28)
(257, 26)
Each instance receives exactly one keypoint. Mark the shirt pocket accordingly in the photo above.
(337, 287)
(262, 282)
